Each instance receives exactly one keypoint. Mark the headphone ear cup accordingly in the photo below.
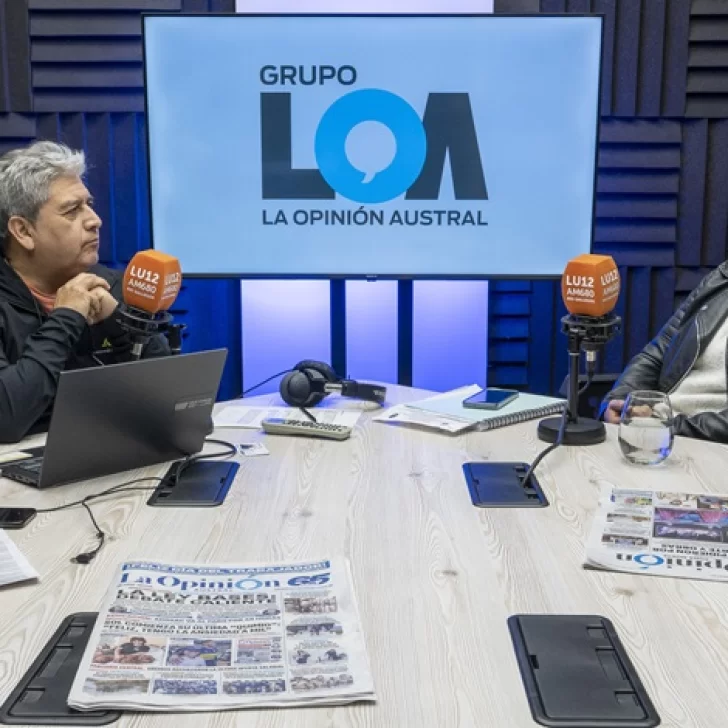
(321, 367)
(296, 389)
(314, 375)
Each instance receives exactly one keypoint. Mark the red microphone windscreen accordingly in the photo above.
(152, 281)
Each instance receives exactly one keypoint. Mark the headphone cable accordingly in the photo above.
(265, 381)
(308, 414)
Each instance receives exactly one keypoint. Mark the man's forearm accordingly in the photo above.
(711, 426)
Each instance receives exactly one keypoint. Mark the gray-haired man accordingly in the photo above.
(57, 305)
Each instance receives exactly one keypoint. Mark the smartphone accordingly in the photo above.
(16, 517)
(491, 399)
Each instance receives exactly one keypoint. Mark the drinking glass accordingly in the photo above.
(646, 427)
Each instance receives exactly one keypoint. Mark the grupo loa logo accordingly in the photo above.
(418, 155)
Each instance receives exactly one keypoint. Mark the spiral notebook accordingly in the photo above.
(525, 407)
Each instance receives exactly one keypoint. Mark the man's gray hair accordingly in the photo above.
(26, 176)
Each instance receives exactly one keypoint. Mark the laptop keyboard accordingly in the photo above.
(33, 465)
(25, 471)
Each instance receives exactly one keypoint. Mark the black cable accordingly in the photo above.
(95, 496)
(184, 464)
(308, 414)
(265, 381)
(88, 556)
(561, 433)
(550, 448)
(231, 449)
(588, 383)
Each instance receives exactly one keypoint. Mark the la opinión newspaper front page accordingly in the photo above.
(185, 637)
(662, 534)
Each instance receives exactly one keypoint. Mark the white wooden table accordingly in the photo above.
(436, 578)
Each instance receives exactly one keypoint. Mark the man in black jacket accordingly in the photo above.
(58, 307)
(687, 360)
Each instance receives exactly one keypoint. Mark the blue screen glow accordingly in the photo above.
(375, 145)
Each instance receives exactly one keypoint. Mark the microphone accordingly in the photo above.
(152, 281)
(590, 285)
(590, 289)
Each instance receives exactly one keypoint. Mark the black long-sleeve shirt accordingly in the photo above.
(35, 347)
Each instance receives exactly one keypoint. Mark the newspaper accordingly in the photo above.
(172, 637)
(663, 534)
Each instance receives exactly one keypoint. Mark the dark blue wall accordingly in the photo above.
(71, 70)
(662, 204)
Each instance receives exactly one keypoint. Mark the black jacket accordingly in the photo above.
(670, 356)
(35, 347)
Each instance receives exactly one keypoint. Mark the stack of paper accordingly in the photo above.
(14, 567)
(446, 412)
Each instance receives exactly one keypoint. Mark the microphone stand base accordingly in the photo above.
(584, 431)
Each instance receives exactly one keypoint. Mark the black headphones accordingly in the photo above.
(310, 381)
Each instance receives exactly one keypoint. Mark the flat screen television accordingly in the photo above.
(393, 146)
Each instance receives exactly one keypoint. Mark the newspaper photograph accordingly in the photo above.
(183, 637)
(662, 534)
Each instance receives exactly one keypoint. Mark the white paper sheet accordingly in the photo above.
(14, 567)
(411, 416)
(253, 449)
(15, 456)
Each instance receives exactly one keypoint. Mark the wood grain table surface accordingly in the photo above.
(435, 578)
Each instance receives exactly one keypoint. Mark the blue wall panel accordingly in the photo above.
(282, 323)
(211, 311)
(450, 334)
(371, 330)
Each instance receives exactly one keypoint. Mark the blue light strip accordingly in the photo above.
(371, 330)
(283, 322)
(450, 333)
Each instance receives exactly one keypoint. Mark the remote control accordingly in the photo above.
(279, 426)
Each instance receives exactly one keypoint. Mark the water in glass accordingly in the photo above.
(646, 428)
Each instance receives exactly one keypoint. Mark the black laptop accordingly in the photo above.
(124, 416)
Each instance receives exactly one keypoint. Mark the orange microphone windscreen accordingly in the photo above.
(590, 285)
(152, 281)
